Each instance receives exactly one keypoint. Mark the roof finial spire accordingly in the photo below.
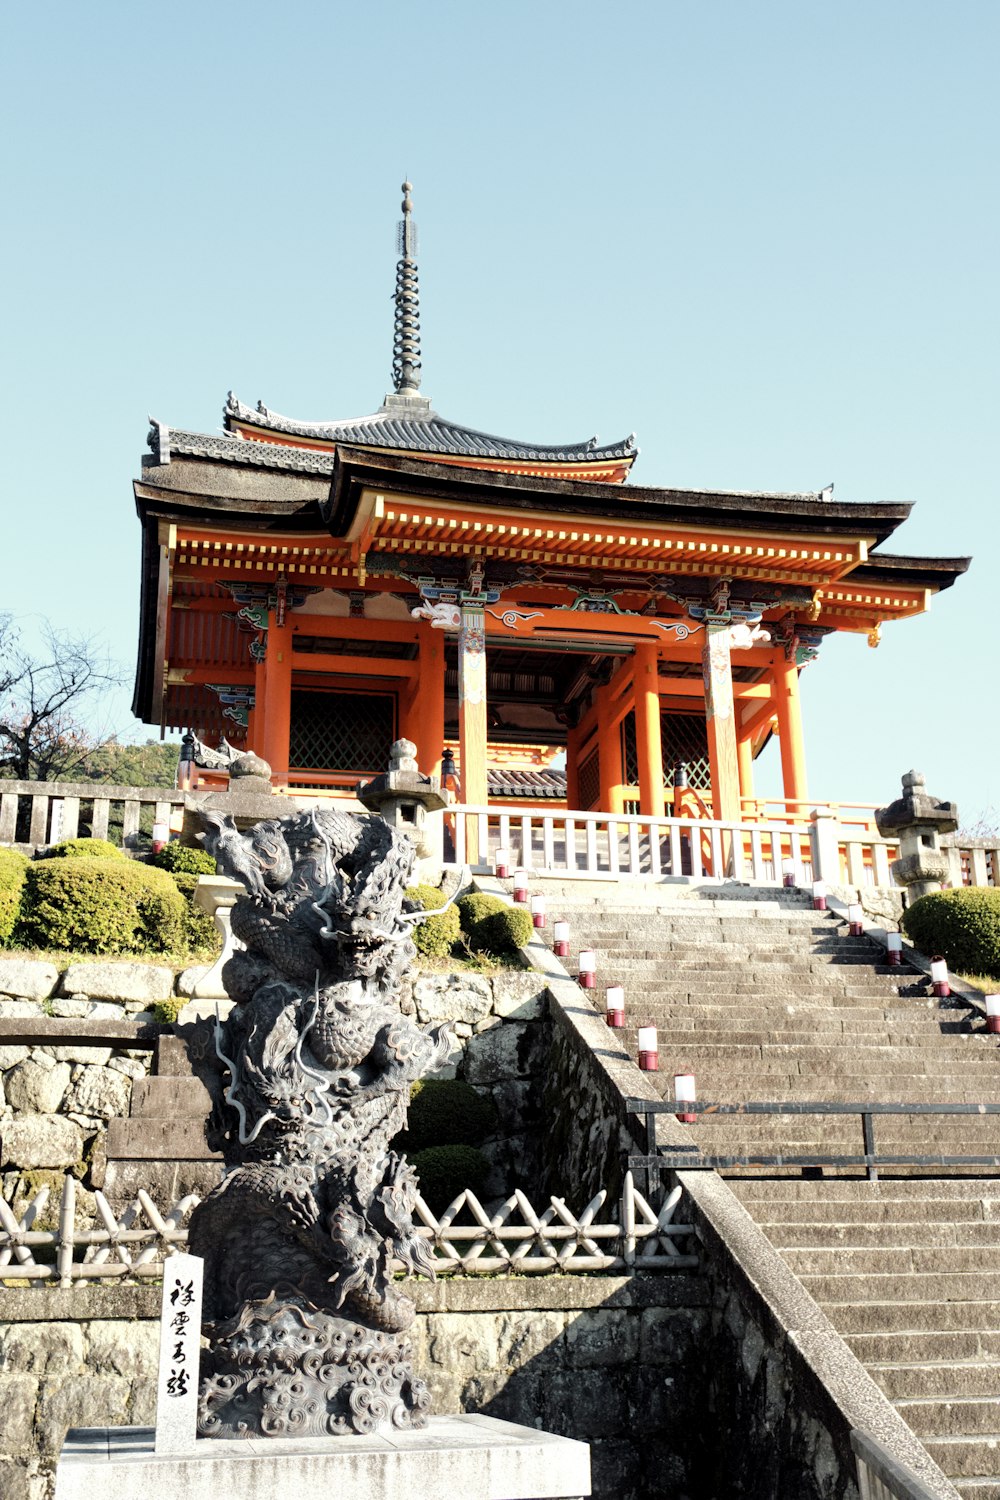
(406, 328)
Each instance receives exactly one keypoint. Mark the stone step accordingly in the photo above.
(151, 1139)
(983, 1487)
(891, 1232)
(165, 1097)
(976, 1457)
(839, 1190)
(873, 1034)
(906, 1381)
(879, 1266)
(860, 1219)
(939, 1287)
(971, 1416)
(944, 1314)
(969, 1345)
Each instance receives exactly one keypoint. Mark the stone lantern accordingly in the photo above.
(411, 804)
(918, 821)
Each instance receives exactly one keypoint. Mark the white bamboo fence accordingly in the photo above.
(466, 1239)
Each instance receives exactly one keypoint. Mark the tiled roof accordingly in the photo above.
(412, 425)
(169, 442)
(506, 782)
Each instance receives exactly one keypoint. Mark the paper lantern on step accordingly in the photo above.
(587, 963)
(894, 948)
(501, 861)
(939, 978)
(538, 911)
(788, 874)
(684, 1092)
(993, 1013)
(819, 895)
(521, 886)
(615, 1005)
(560, 939)
(856, 919)
(649, 1057)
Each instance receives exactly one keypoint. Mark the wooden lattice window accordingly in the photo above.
(341, 731)
(685, 738)
(589, 782)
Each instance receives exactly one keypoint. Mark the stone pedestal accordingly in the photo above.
(216, 895)
(466, 1457)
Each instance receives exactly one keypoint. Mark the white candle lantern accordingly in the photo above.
(819, 895)
(560, 939)
(161, 833)
(856, 918)
(538, 911)
(894, 948)
(649, 1059)
(993, 1013)
(588, 968)
(521, 886)
(501, 862)
(939, 978)
(615, 1005)
(788, 873)
(684, 1092)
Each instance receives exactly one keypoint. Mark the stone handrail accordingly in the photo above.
(881, 1477)
(55, 809)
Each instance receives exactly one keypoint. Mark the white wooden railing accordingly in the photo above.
(466, 1238)
(882, 1477)
(49, 811)
(605, 846)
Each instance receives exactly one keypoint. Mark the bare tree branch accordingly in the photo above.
(44, 701)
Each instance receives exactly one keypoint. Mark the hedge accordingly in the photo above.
(447, 1112)
(963, 926)
(201, 934)
(184, 859)
(438, 935)
(13, 869)
(494, 926)
(444, 1171)
(84, 849)
(100, 906)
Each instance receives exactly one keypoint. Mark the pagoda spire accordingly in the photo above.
(406, 326)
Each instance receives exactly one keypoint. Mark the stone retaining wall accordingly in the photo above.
(609, 1360)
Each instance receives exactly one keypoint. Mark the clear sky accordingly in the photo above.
(764, 236)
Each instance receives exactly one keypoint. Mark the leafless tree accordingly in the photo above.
(45, 698)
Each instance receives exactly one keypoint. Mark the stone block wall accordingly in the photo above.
(502, 1046)
(609, 1360)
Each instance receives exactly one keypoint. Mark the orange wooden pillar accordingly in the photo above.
(278, 703)
(428, 711)
(744, 757)
(609, 742)
(793, 755)
(720, 722)
(258, 714)
(573, 768)
(648, 741)
(472, 717)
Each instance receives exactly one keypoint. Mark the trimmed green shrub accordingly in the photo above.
(444, 1171)
(100, 906)
(447, 1112)
(184, 859)
(438, 935)
(167, 1011)
(201, 934)
(963, 926)
(477, 905)
(500, 931)
(84, 849)
(13, 869)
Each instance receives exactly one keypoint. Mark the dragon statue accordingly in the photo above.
(307, 1330)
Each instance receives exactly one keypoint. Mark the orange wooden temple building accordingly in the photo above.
(312, 591)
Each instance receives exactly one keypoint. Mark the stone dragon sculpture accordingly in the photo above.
(307, 1331)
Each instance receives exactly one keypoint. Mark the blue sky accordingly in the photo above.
(763, 236)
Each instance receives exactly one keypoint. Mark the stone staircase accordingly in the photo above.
(763, 999)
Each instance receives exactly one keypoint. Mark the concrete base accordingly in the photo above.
(466, 1457)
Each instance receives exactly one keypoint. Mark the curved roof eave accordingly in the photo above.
(417, 427)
